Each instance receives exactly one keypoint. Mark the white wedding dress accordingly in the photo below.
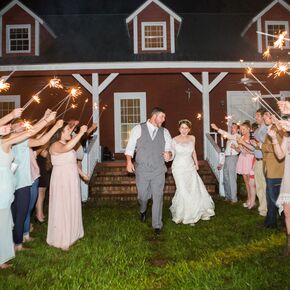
(191, 201)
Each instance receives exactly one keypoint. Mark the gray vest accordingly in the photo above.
(149, 153)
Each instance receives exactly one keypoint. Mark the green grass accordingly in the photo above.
(119, 252)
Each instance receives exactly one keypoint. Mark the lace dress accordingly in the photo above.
(284, 196)
(191, 201)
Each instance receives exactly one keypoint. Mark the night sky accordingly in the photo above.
(45, 7)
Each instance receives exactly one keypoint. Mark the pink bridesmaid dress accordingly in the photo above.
(65, 225)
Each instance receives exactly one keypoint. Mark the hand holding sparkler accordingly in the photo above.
(285, 125)
(272, 133)
(83, 129)
(284, 107)
(16, 113)
(214, 126)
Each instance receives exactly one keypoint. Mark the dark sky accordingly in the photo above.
(43, 7)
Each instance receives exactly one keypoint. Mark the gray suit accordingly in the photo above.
(150, 172)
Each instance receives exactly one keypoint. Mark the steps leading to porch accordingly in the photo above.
(111, 181)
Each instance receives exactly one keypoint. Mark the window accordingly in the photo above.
(276, 28)
(8, 103)
(18, 38)
(154, 36)
(130, 109)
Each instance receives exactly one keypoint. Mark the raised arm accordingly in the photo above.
(279, 150)
(223, 132)
(58, 147)
(34, 142)
(16, 113)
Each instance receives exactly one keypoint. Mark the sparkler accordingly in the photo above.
(250, 71)
(33, 98)
(73, 106)
(279, 69)
(266, 54)
(83, 108)
(4, 86)
(73, 93)
(95, 109)
(198, 116)
(263, 103)
(53, 83)
(279, 43)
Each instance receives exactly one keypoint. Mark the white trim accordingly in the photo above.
(284, 95)
(161, 5)
(36, 38)
(172, 35)
(265, 10)
(11, 98)
(136, 65)
(107, 81)
(205, 109)
(193, 80)
(159, 23)
(273, 22)
(101, 87)
(117, 114)
(16, 2)
(1, 35)
(259, 36)
(217, 80)
(135, 34)
(12, 26)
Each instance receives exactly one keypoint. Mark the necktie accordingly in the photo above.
(154, 133)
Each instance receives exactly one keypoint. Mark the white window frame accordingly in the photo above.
(160, 23)
(11, 98)
(117, 114)
(8, 44)
(268, 22)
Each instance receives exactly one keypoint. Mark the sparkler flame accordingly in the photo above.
(4, 86)
(55, 83)
(249, 70)
(73, 106)
(279, 43)
(27, 125)
(36, 99)
(229, 117)
(198, 116)
(279, 69)
(266, 54)
(86, 100)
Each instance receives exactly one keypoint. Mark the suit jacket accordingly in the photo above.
(274, 168)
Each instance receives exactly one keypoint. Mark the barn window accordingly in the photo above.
(18, 38)
(154, 36)
(276, 28)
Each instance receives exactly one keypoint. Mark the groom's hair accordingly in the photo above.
(157, 110)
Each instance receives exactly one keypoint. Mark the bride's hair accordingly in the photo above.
(186, 122)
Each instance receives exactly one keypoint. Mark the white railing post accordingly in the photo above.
(214, 156)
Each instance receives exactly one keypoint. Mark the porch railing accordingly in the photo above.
(91, 157)
(214, 156)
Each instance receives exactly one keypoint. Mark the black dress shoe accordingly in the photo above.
(143, 216)
(157, 232)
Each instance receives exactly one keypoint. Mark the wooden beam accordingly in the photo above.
(107, 81)
(193, 80)
(205, 109)
(83, 82)
(216, 81)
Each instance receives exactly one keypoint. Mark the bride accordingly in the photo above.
(191, 201)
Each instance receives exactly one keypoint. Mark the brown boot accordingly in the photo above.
(286, 251)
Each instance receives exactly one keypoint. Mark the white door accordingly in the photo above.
(241, 106)
(129, 110)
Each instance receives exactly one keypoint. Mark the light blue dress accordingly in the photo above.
(7, 188)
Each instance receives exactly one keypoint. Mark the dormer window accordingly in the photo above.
(18, 38)
(154, 36)
(275, 28)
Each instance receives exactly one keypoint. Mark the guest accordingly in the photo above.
(229, 163)
(274, 171)
(21, 202)
(35, 174)
(283, 151)
(245, 165)
(65, 224)
(44, 163)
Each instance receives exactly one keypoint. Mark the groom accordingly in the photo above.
(152, 143)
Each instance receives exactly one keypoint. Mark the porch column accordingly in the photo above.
(205, 88)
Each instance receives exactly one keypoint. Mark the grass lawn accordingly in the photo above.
(119, 252)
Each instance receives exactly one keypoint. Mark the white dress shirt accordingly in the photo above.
(136, 134)
(232, 139)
